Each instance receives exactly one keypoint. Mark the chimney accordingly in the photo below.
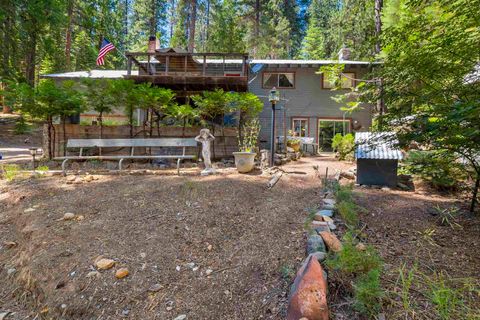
(152, 44)
(344, 53)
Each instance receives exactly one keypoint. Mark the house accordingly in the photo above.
(306, 105)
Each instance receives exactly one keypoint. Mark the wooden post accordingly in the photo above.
(129, 65)
(167, 62)
(204, 65)
(223, 66)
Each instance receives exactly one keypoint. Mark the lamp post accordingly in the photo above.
(273, 97)
(35, 152)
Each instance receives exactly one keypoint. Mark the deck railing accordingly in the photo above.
(188, 64)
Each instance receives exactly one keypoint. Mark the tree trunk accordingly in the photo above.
(130, 116)
(64, 142)
(172, 17)
(378, 31)
(49, 124)
(153, 18)
(68, 36)
(30, 59)
(475, 193)
(256, 31)
(191, 28)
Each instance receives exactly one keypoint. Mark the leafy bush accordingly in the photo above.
(352, 260)
(348, 211)
(439, 168)
(10, 171)
(344, 193)
(368, 293)
(21, 126)
(448, 302)
(42, 168)
(344, 146)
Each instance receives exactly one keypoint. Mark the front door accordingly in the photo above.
(328, 128)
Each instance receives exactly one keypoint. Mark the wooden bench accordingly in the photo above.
(82, 144)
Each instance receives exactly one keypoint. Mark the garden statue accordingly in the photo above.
(205, 137)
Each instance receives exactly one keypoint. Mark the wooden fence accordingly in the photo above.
(224, 144)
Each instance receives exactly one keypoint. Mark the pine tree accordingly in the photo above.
(226, 31)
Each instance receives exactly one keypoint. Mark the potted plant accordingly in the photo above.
(245, 157)
(293, 142)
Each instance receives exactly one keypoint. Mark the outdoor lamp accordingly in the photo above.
(273, 97)
(35, 152)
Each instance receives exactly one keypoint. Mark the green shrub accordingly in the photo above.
(10, 171)
(344, 193)
(368, 293)
(21, 126)
(344, 146)
(353, 261)
(439, 168)
(348, 211)
(42, 168)
(448, 302)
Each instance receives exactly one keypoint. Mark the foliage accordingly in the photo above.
(10, 171)
(348, 212)
(353, 261)
(212, 104)
(439, 167)
(99, 97)
(21, 126)
(251, 131)
(344, 145)
(42, 168)
(344, 193)
(334, 24)
(447, 300)
(428, 58)
(368, 293)
(447, 217)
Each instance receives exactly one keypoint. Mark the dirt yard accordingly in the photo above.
(405, 228)
(169, 231)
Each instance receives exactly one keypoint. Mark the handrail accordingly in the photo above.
(188, 64)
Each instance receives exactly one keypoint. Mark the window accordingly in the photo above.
(328, 128)
(346, 81)
(279, 80)
(300, 127)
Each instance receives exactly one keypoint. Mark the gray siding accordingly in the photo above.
(307, 99)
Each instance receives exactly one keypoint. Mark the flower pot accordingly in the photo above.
(295, 145)
(244, 161)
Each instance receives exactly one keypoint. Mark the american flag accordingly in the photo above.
(104, 49)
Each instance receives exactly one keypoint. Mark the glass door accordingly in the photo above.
(328, 128)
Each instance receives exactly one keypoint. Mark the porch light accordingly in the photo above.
(274, 96)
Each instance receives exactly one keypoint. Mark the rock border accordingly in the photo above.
(308, 293)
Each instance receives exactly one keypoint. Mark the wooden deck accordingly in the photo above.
(190, 72)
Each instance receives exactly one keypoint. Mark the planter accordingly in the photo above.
(294, 145)
(244, 161)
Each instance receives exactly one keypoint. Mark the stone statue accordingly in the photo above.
(205, 137)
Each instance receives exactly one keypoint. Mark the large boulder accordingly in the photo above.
(308, 297)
